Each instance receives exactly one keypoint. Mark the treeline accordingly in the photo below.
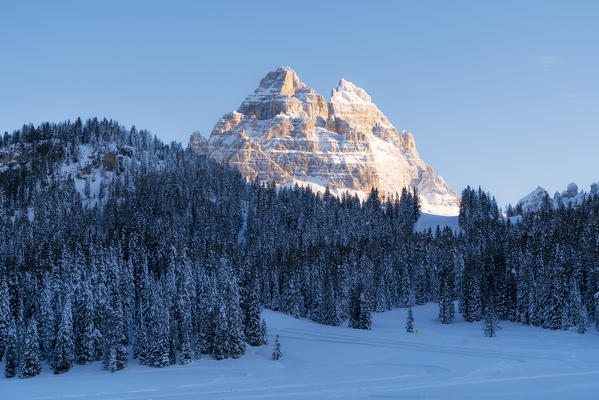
(180, 255)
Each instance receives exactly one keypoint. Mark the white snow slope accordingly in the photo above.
(453, 361)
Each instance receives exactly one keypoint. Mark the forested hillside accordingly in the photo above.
(112, 242)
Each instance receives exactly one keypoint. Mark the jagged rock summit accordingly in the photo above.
(287, 133)
(533, 202)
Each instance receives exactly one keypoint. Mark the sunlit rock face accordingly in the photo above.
(287, 133)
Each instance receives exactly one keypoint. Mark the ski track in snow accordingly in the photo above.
(321, 362)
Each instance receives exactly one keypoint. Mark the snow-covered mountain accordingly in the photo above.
(571, 196)
(107, 152)
(288, 134)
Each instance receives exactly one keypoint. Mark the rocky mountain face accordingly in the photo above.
(571, 196)
(287, 133)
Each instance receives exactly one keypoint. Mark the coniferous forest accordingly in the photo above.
(165, 255)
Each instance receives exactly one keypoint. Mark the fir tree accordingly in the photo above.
(446, 306)
(221, 346)
(263, 333)
(276, 349)
(410, 328)
(64, 347)
(158, 354)
(10, 349)
(470, 304)
(490, 320)
(360, 315)
(4, 317)
(31, 358)
(86, 350)
(111, 360)
(253, 332)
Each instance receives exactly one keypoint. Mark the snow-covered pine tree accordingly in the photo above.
(186, 350)
(4, 317)
(31, 357)
(328, 310)
(470, 304)
(410, 327)
(10, 349)
(360, 314)
(110, 363)
(47, 322)
(252, 319)
(490, 319)
(221, 346)
(576, 311)
(85, 348)
(263, 333)
(141, 343)
(159, 338)
(276, 293)
(291, 296)
(407, 297)
(554, 301)
(230, 293)
(115, 350)
(596, 301)
(186, 292)
(276, 349)
(205, 309)
(446, 306)
(64, 348)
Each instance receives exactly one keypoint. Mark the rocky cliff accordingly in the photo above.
(287, 133)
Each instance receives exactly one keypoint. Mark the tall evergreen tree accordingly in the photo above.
(64, 348)
(4, 317)
(446, 306)
(410, 328)
(10, 349)
(360, 314)
(31, 358)
(490, 320)
(276, 350)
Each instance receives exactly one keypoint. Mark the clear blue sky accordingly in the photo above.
(503, 94)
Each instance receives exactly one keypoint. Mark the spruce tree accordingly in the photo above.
(158, 354)
(446, 306)
(470, 304)
(10, 349)
(64, 347)
(221, 346)
(410, 328)
(4, 317)
(31, 358)
(360, 314)
(111, 360)
(86, 350)
(263, 333)
(186, 350)
(490, 320)
(252, 322)
(276, 349)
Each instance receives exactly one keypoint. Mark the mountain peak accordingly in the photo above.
(283, 80)
(533, 202)
(286, 133)
(280, 92)
(347, 92)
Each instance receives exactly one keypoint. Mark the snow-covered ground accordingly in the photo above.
(426, 221)
(439, 362)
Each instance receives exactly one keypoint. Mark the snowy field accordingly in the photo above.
(440, 362)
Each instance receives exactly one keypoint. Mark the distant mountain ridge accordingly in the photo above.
(288, 134)
(533, 202)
